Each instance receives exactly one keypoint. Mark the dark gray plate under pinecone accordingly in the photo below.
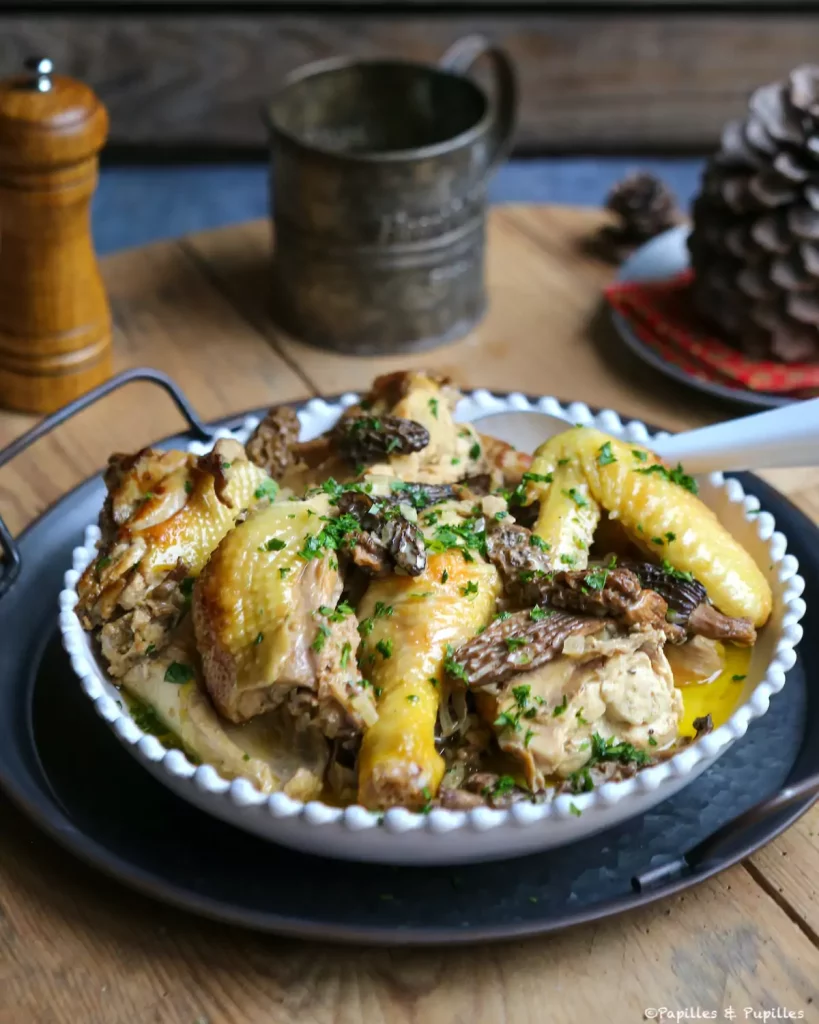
(663, 257)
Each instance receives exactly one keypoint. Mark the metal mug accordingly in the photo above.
(380, 170)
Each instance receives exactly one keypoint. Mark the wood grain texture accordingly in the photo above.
(661, 78)
(55, 325)
(76, 947)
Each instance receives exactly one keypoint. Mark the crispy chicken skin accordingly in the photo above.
(164, 514)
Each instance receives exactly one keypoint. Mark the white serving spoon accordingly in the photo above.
(767, 440)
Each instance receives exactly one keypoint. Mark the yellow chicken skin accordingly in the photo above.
(407, 625)
(660, 511)
(262, 609)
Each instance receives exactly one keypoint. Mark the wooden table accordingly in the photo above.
(77, 948)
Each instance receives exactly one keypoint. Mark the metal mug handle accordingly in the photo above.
(12, 561)
(459, 59)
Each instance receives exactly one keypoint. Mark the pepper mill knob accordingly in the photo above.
(55, 323)
(43, 67)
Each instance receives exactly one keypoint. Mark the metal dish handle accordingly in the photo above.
(11, 559)
(720, 841)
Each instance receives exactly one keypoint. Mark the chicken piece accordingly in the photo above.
(617, 688)
(661, 513)
(163, 515)
(408, 625)
(265, 751)
(567, 517)
(454, 450)
(260, 610)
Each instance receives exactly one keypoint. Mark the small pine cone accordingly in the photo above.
(644, 207)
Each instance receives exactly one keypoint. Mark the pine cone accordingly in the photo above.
(644, 206)
(755, 241)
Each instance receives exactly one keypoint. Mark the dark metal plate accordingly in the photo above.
(119, 819)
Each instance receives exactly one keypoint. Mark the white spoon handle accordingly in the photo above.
(768, 440)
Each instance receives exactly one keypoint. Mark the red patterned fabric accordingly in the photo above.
(662, 315)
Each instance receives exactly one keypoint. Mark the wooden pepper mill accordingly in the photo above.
(55, 323)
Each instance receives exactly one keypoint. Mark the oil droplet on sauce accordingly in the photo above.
(717, 696)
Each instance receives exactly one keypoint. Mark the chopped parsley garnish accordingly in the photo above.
(470, 589)
(178, 672)
(505, 784)
(444, 576)
(384, 648)
(640, 456)
(539, 542)
(365, 627)
(501, 515)
(432, 681)
(393, 444)
(433, 407)
(471, 533)
(605, 456)
(475, 452)
(101, 564)
(321, 638)
(737, 679)
(675, 476)
(670, 536)
(538, 614)
(150, 648)
(273, 545)
(503, 616)
(579, 716)
(652, 742)
(514, 643)
(657, 540)
(431, 518)
(337, 614)
(561, 707)
(186, 587)
(412, 698)
(521, 694)
(563, 462)
(266, 489)
(596, 580)
(455, 461)
(332, 536)
(258, 640)
(605, 750)
(577, 497)
(678, 574)
(346, 650)
(517, 496)
(528, 737)
(188, 487)
(575, 810)
(453, 667)
(382, 611)
(283, 571)
(568, 559)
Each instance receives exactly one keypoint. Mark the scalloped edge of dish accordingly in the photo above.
(316, 415)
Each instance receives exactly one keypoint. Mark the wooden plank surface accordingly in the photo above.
(75, 947)
(588, 81)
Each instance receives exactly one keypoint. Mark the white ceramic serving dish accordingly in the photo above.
(449, 837)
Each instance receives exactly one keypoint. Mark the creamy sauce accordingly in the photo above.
(719, 695)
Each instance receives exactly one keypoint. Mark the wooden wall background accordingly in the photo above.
(619, 77)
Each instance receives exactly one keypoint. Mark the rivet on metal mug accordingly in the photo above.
(379, 175)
